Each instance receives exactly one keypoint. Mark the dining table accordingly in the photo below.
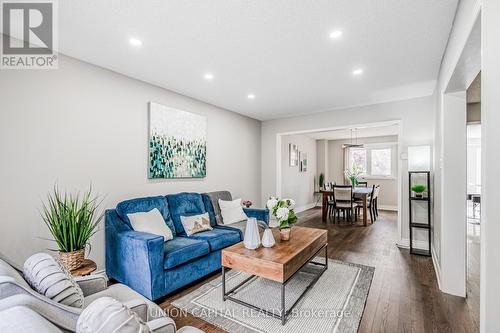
(359, 192)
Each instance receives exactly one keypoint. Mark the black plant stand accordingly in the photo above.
(425, 197)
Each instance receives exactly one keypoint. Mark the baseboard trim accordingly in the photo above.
(305, 207)
(419, 244)
(437, 268)
(386, 207)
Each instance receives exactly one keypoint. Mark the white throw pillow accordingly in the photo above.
(196, 223)
(232, 211)
(49, 278)
(106, 314)
(151, 222)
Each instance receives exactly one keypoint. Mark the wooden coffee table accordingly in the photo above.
(279, 263)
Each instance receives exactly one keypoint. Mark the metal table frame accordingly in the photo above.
(283, 313)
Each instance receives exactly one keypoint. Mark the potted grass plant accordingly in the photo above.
(72, 220)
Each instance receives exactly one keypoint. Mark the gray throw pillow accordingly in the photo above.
(106, 314)
(49, 278)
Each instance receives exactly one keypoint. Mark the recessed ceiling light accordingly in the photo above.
(208, 76)
(135, 42)
(251, 96)
(357, 72)
(335, 34)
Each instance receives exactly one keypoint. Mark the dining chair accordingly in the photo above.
(359, 200)
(376, 192)
(344, 201)
(370, 204)
(330, 200)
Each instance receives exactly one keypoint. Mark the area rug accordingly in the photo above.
(334, 304)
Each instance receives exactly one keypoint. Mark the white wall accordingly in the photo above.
(473, 112)
(417, 127)
(449, 138)
(454, 184)
(322, 159)
(388, 198)
(295, 184)
(81, 124)
(490, 214)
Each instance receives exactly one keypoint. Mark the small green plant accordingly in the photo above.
(419, 188)
(321, 180)
(354, 174)
(71, 219)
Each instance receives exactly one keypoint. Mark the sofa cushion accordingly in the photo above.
(184, 204)
(211, 201)
(196, 223)
(21, 319)
(145, 205)
(151, 222)
(106, 314)
(232, 211)
(219, 238)
(49, 278)
(182, 249)
(240, 227)
(9, 271)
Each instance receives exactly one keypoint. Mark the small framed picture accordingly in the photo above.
(293, 155)
(303, 162)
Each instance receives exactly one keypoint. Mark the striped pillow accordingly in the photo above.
(49, 278)
(106, 314)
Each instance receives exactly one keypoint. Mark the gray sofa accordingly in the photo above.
(15, 293)
(22, 319)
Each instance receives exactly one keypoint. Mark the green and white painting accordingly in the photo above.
(177, 143)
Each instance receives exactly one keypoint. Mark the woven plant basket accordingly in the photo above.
(72, 260)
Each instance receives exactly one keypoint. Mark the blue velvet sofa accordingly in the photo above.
(155, 268)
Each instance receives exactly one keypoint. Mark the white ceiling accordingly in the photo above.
(279, 50)
(365, 132)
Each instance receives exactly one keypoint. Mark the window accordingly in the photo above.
(358, 156)
(381, 162)
(376, 160)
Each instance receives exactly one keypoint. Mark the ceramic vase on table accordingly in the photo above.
(252, 237)
(268, 238)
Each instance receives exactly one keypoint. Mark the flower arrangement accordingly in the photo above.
(247, 203)
(283, 211)
(354, 174)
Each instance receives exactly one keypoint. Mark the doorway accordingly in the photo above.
(320, 153)
(474, 196)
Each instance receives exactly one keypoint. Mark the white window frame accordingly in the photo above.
(393, 146)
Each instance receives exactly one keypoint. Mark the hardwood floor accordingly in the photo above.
(473, 268)
(404, 296)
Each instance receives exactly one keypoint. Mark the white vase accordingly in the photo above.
(268, 238)
(252, 237)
